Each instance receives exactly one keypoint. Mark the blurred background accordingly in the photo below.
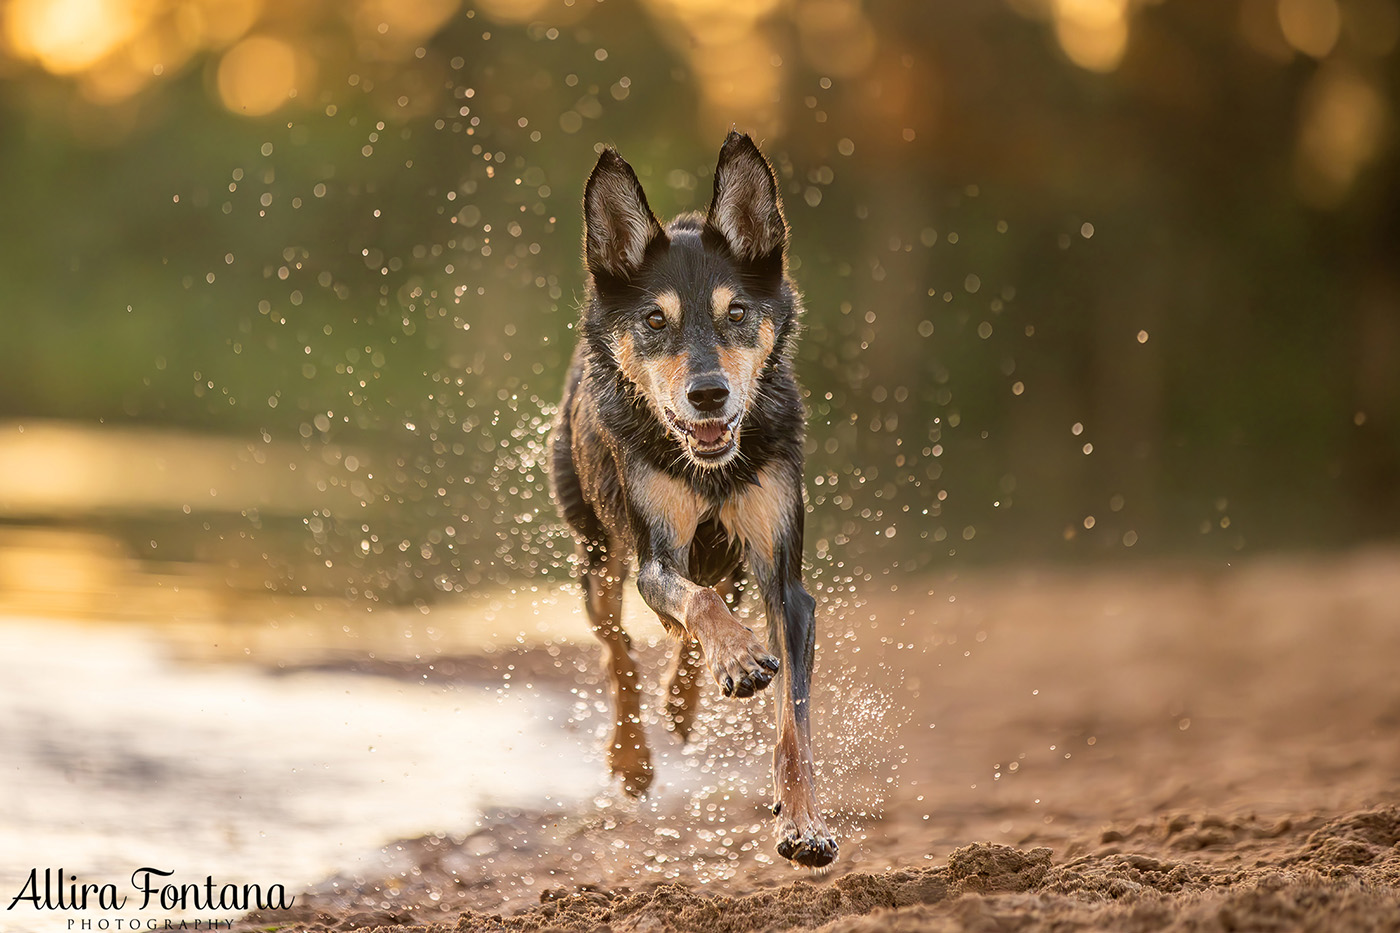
(290, 287)
(289, 290)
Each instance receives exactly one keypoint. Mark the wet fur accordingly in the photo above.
(633, 481)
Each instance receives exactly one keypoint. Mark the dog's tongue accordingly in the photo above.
(709, 432)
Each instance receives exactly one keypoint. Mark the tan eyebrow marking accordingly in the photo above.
(670, 304)
(721, 300)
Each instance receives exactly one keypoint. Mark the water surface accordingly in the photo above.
(114, 756)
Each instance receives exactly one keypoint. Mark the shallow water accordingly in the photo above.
(113, 757)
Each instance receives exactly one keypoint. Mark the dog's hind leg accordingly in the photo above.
(604, 572)
(683, 687)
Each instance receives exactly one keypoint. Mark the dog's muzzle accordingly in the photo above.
(710, 441)
(709, 434)
(708, 393)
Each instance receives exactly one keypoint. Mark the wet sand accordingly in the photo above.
(1155, 748)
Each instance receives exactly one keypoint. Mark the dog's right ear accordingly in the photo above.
(746, 209)
(618, 222)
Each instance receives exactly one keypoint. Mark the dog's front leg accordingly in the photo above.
(735, 656)
(791, 613)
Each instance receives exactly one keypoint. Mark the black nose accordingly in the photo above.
(708, 393)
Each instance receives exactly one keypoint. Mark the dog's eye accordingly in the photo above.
(737, 312)
(655, 319)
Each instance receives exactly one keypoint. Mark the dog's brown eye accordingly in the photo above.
(656, 320)
(737, 312)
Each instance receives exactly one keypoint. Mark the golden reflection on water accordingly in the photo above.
(66, 488)
(56, 469)
(84, 575)
(81, 575)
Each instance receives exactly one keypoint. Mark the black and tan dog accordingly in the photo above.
(679, 441)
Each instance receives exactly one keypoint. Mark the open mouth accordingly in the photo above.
(706, 440)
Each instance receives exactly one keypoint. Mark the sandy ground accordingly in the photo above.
(1176, 748)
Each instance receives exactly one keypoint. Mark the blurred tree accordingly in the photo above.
(1082, 275)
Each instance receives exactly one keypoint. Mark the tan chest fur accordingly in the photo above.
(755, 517)
(759, 514)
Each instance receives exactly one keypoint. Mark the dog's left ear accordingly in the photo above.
(746, 209)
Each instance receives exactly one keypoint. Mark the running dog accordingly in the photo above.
(679, 442)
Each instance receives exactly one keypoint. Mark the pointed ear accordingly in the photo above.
(746, 209)
(618, 223)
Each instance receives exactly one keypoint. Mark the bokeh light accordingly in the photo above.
(70, 36)
(1344, 118)
(1311, 26)
(259, 75)
(1093, 33)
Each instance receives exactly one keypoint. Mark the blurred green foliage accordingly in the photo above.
(1052, 313)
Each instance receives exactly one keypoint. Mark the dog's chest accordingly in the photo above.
(754, 517)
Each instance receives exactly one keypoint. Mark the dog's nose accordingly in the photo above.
(708, 392)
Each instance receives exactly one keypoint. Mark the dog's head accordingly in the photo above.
(691, 314)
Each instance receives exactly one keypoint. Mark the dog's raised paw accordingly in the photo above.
(754, 673)
(740, 665)
(747, 685)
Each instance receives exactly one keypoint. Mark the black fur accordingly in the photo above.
(639, 473)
